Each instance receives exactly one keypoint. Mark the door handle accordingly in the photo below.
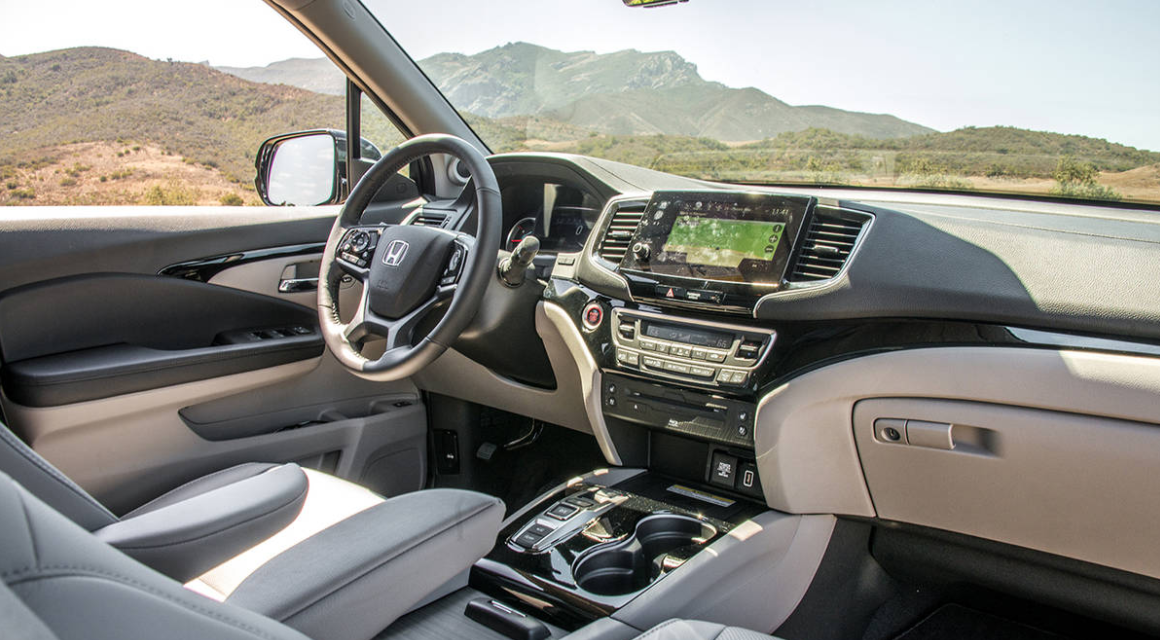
(297, 285)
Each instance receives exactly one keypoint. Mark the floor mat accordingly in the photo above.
(956, 622)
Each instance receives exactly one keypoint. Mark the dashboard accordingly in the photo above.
(668, 310)
(846, 351)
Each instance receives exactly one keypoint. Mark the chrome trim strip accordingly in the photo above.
(204, 269)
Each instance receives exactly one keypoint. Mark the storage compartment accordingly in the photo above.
(659, 544)
(1079, 486)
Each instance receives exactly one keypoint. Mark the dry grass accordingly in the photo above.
(111, 173)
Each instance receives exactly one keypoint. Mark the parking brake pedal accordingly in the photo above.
(503, 619)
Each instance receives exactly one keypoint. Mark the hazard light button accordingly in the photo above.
(672, 293)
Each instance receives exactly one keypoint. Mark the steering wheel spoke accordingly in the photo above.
(398, 332)
(409, 271)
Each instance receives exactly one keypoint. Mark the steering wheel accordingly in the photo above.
(407, 270)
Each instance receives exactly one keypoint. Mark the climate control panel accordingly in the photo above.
(708, 353)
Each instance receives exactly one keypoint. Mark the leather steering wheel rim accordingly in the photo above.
(402, 359)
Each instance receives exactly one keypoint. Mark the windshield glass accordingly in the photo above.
(1043, 98)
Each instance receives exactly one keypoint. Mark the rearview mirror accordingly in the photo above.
(299, 169)
(651, 3)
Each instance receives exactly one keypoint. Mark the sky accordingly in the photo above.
(1088, 68)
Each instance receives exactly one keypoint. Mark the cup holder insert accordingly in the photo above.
(632, 564)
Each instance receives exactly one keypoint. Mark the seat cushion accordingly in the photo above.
(83, 589)
(353, 579)
(329, 500)
(677, 629)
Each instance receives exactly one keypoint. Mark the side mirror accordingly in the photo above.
(307, 168)
(300, 169)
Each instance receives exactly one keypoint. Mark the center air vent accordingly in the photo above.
(827, 245)
(620, 230)
(430, 219)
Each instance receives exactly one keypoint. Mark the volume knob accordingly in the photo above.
(641, 251)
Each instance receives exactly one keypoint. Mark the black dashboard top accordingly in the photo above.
(1067, 267)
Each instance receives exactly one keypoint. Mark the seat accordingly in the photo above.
(677, 629)
(213, 522)
(59, 582)
(297, 545)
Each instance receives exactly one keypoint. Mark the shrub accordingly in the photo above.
(1076, 179)
(172, 194)
(232, 200)
(12, 185)
(1085, 191)
(68, 182)
(23, 194)
(1070, 169)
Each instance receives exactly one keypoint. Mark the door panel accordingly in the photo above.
(153, 379)
(89, 337)
(265, 277)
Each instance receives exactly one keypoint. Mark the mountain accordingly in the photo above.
(313, 74)
(203, 115)
(102, 126)
(623, 93)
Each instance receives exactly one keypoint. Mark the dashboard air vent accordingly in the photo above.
(430, 219)
(624, 222)
(828, 243)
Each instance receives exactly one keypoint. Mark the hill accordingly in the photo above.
(101, 126)
(313, 74)
(622, 93)
(203, 115)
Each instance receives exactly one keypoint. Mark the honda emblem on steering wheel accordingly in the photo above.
(395, 252)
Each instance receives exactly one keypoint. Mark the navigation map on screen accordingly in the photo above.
(722, 242)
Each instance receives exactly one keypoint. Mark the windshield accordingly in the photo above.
(1042, 98)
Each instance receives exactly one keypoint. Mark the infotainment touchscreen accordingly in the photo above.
(741, 237)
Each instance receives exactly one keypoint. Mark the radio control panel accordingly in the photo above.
(707, 353)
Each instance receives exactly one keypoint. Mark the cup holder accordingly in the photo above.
(632, 564)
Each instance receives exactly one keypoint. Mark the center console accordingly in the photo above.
(583, 552)
(659, 309)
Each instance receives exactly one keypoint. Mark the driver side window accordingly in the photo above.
(153, 107)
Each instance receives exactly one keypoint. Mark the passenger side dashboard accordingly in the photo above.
(1017, 383)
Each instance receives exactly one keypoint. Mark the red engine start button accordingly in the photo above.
(593, 315)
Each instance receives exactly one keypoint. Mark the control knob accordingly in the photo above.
(641, 251)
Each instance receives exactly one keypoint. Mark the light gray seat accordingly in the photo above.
(193, 528)
(323, 555)
(677, 629)
(59, 581)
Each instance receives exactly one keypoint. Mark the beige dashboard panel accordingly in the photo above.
(805, 446)
(574, 403)
(1068, 484)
